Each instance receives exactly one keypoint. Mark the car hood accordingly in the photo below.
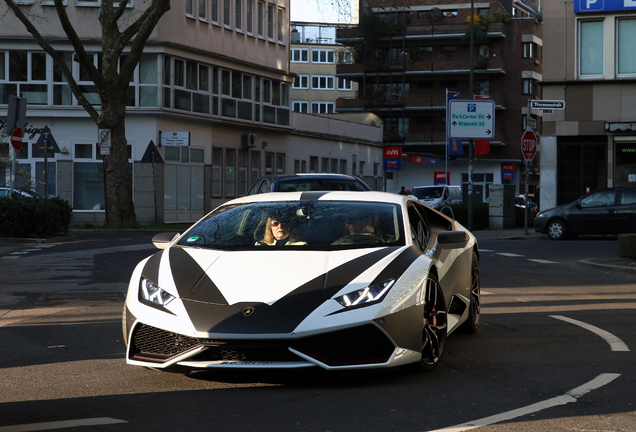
(229, 278)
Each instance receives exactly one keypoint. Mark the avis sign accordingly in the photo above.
(392, 158)
(529, 144)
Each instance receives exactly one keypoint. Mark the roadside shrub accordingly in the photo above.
(480, 215)
(23, 217)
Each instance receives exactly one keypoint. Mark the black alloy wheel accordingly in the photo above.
(435, 328)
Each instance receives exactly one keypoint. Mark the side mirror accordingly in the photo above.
(162, 240)
(452, 239)
(578, 206)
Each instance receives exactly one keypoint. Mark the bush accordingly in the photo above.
(23, 217)
(480, 215)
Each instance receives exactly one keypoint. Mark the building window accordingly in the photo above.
(230, 169)
(322, 82)
(322, 56)
(189, 7)
(238, 18)
(482, 88)
(227, 19)
(270, 21)
(323, 107)
(300, 106)
(202, 9)
(217, 177)
(591, 42)
(344, 84)
(281, 25)
(626, 55)
(529, 50)
(214, 11)
(249, 16)
(301, 82)
(300, 55)
(261, 18)
(528, 86)
(313, 164)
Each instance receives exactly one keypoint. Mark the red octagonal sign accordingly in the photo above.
(529, 144)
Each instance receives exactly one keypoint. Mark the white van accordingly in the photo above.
(438, 196)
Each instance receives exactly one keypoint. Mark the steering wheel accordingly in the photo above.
(359, 238)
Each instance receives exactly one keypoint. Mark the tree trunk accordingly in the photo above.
(119, 201)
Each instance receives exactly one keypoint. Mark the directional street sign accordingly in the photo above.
(471, 119)
(547, 104)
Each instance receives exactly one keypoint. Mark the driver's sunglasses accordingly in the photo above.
(276, 223)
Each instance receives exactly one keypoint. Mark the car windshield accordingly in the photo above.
(303, 185)
(428, 192)
(307, 225)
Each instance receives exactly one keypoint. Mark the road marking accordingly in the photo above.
(569, 397)
(61, 424)
(615, 343)
(509, 254)
(542, 261)
(486, 250)
(9, 257)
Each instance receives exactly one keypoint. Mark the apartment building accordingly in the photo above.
(314, 57)
(212, 95)
(590, 64)
(410, 55)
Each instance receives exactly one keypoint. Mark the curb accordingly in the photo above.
(600, 265)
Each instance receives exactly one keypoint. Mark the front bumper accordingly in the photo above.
(355, 347)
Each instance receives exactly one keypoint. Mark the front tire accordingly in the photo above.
(434, 325)
(557, 229)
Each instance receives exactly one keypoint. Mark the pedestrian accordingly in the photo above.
(402, 191)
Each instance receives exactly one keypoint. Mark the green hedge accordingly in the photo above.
(22, 217)
(480, 215)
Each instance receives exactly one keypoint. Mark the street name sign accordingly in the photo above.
(471, 119)
(547, 104)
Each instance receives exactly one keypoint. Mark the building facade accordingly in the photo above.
(211, 95)
(591, 66)
(410, 56)
(314, 56)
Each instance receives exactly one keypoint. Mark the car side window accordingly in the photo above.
(420, 233)
(255, 188)
(599, 199)
(628, 197)
(266, 186)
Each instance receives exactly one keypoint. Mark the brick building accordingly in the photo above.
(408, 54)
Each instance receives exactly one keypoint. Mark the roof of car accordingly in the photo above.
(323, 175)
(372, 196)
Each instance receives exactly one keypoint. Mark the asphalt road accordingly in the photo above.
(554, 352)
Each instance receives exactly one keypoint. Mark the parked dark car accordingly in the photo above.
(307, 182)
(605, 211)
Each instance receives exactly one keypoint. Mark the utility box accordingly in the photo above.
(501, 207)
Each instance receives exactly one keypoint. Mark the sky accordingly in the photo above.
(315, 11)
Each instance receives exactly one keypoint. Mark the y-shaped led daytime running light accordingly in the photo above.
(152, 293)
(366, 295)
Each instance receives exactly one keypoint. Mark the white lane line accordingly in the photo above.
(486, 250)
(542, 261)
(509, 254)
(61, 424)
(569, 397)
(615, 343)
(10, 257)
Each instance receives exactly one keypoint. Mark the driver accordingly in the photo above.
(278, 233)
(357, 224)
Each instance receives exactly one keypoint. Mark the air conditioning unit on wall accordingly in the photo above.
(249, 140)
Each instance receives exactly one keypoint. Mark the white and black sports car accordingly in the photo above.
(339, 280)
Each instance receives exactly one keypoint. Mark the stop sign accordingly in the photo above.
(529, 144)
(16, 138)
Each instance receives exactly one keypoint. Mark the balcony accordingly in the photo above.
(458, 65)
(438, 31)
